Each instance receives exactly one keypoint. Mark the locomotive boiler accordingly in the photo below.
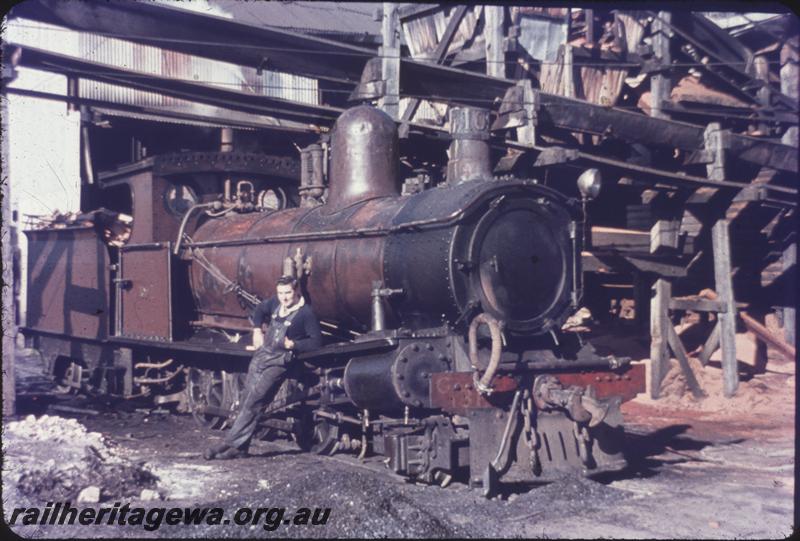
(443, 308)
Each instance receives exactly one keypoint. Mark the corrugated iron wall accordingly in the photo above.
(156, 61)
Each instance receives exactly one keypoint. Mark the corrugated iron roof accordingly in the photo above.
(328, 17)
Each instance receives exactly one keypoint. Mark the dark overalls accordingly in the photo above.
(264, 377)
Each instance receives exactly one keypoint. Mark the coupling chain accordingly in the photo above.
(531, 436)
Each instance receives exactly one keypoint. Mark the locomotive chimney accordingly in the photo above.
(363, 157)
(469, 151)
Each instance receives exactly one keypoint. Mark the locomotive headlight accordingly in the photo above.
(589, 183)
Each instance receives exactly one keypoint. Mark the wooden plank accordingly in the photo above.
(659, 335)
(697, 305)
(621, 239)
(727, 320)
(677, 348)
(615, 262)
(711, 345)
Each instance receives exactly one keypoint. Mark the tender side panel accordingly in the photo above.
(68, 289)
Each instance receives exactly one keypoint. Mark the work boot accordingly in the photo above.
(231, 453)
(213, 452)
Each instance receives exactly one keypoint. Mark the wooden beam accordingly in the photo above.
(677, 348)
(696, 305)
(763, 96)
(615, 262)
(789, 86)
(664, 236)
(588, 15)
(727, 320)
(493, 36)
(767, 337)
(661, 82)
(711, 345)
(8, 246)
(789, 260)
(569, 71)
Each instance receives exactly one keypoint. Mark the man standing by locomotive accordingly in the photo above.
(293, 328)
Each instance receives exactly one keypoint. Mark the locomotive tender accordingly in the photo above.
(442, 307)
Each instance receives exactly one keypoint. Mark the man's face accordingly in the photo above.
(286, 295)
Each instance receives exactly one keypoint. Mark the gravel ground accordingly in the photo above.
(690, 476)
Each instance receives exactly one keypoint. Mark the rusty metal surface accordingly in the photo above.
(469, 151)
(240, 162)
(455, 392)
(68, 290)
(250, 249)
(363, 157)
(607, 383)
(342, 271)
(145, 294)
(152, 221)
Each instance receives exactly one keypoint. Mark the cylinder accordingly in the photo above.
(469, 151)
(363, 157)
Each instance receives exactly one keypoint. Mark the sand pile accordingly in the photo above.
(761, 393)
(57, 459)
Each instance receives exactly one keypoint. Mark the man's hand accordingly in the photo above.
(288, 344)
(258, 340)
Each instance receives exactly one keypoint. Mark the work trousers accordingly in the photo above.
(264, 377)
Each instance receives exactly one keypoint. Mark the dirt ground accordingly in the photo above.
(712, 468)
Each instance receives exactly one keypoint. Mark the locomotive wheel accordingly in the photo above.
(318, 437)
(204, 390)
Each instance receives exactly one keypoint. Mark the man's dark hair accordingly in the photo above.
(286, 281)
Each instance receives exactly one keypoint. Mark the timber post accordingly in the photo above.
(726, 318)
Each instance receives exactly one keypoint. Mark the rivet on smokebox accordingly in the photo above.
(499, 414)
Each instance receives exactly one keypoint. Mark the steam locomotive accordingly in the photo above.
(442, 307)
